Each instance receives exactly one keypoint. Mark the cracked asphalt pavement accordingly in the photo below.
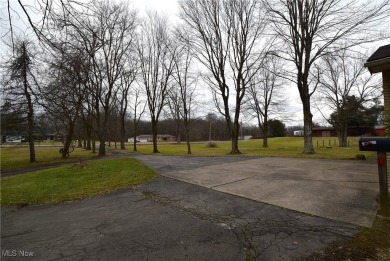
(166, 219)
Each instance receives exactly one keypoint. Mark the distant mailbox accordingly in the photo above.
(374, 144)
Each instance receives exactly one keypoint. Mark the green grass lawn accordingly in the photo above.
(15, 157)
(81, 180)
(18, 157)
(67, 183)
(277, 147)
(73, 182)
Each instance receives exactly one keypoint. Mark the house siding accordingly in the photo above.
(386, 94)
(149, 138)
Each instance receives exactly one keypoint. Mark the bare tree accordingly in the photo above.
(225, 36)
(87, 119)
(340, 76)
(186, 81)
(156, 66)
(127, 79)
(264, 94)
(105, 30)
(175, 107)
(41, 16)
(308, 29)
(137, 109)
(64, 96)
(102, 30)
(115, 36)
(20, 87)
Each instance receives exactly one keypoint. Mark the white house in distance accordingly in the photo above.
(131, 140)
(149, 138)
(298, 133)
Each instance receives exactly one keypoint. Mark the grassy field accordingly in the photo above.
(73, 182)
(278, 147)
(15, 157)
(81, 180)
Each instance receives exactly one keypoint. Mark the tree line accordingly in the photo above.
(94, 60)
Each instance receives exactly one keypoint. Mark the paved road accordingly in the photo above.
(167, 219)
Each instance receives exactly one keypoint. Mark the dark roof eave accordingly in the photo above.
(378, 65)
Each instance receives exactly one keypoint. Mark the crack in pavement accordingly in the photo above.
(18, 234)
(166, 219)
(234, 181)
(273, 235)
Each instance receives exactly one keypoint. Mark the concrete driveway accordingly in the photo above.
(336, 189)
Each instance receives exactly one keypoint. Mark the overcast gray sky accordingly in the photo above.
(168, 7)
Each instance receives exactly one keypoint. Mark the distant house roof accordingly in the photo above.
(144, 136)
(323, 128)
(380, 60)
(165, 136)
(57, 133)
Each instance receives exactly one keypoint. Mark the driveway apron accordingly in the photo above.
(336, 189)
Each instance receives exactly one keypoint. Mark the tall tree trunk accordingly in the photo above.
(135, 136)
(235, 144)
(30, 117)
(188, 146)
(102, 147)
(31, 136)
(186, 125)
(343, 135)
(68, 141)
(304, 93)
(102, 132)
(308, 126)
(234, 134)
(93, 136)
(235, 129)
(102, 143)
(89, 139)
(265, 132)
(154, 134)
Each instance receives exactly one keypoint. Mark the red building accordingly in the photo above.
(352, 131)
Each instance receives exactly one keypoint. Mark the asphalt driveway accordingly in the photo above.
(168, 219)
